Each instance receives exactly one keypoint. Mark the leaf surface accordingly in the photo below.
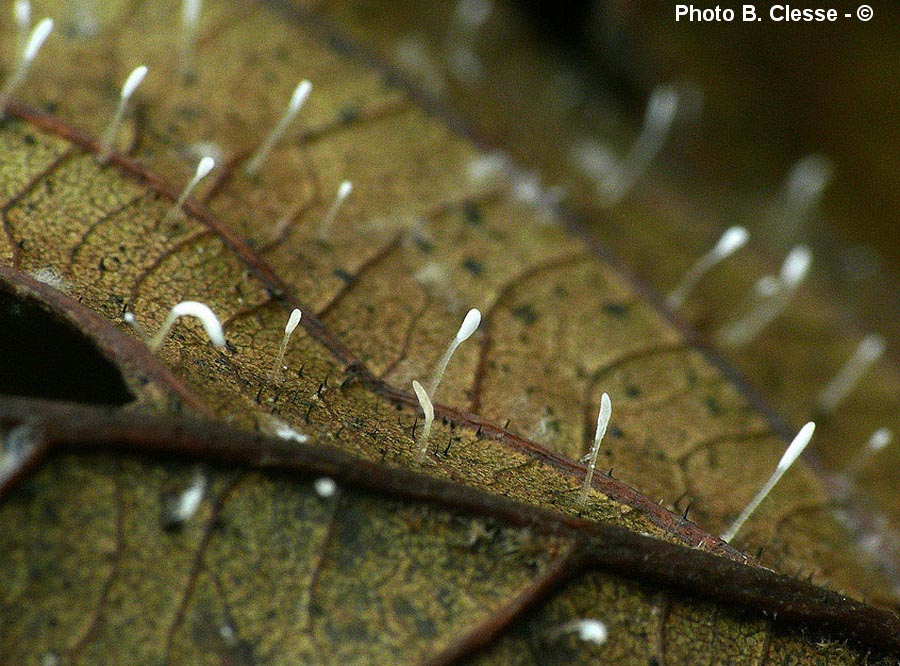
(268, 571)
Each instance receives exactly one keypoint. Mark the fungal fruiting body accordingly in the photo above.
(298, 99)
(15, 447)
(467, 328)
(22, 18)
(428, 411)
(292, 322)
(658, 117)
(283, 430)
(793, 452)
(800, 194)
(190, 18)
(879, 440)
(730, 242)
(587, 630)
(602, 423)
(179, 508)
(206, 165)
(190, 309)
(131, 83)
(325, 487)
(771, 297)
(867, 354)
(344, 190)
(32, 46)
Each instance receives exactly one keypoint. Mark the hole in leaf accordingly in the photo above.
(44, 357)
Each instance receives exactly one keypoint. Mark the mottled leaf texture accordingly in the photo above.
(481, 553)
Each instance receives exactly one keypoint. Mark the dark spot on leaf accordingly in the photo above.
(30, 140)
(616, 432)
(617, 310)
(525, 313)
(426, 627)
(475, 267)
(188, 112)
(349, 114)
(632, 391)
(423, 243)
(472, 213)
(713, 406)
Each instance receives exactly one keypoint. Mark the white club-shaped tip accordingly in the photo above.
(206, 165)
(661, 107)
(424, 400)
(325, 487)
(344, 190)
(593, 631)
(133, 81)
(603, 417)
(301, 92)
(880, 439)
(469, 325)
(209, 320)
(810, 175)
(293, 320)
(871, 348)
(22, 12)
(796, 265)
(38, 35)
(797, 446)
(731, 241)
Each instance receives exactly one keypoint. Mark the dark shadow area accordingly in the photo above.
(43, 357)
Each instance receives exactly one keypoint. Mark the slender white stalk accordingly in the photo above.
(206, 165)
(298, 99)
(731, 241)
(428, 411)
(343, 192)
(32, 46)
(190, 309)
(602, 422)
(793, 452)
(658, 117)
(109, 136)
(768, 307)
(22, 18)
(866, 355)
(292, 323)
(467, 328)
(588, 630)
(190, 20)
